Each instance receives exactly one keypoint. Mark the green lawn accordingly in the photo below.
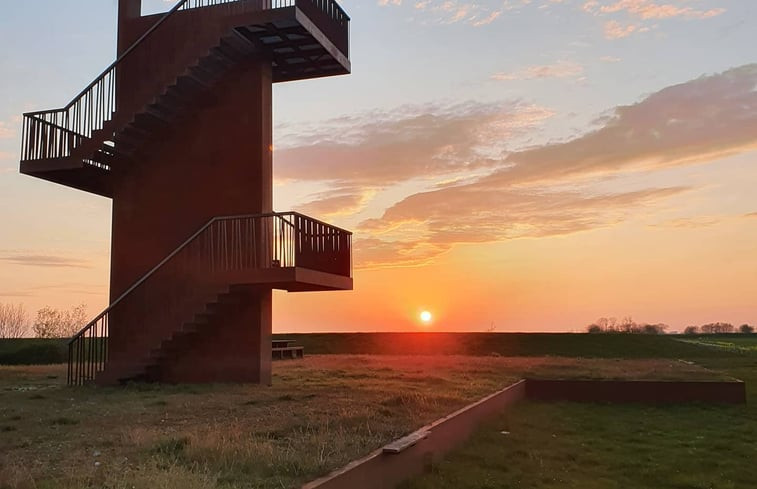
(603, 446)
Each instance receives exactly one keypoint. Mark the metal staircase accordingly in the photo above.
(216, 264)
(79, 144)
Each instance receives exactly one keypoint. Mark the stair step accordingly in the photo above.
(215, 63)
(201, 77)
(161, 113)
(240, 42)
(226, 51)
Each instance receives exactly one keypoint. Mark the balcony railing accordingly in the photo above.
(196, 269)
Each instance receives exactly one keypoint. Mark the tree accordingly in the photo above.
(654, 328)
(746, 329)
(691, 330)
(717, 328)
(13, 321)
(593, 328)
(52, 323)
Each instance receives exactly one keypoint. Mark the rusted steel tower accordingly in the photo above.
(178, 133)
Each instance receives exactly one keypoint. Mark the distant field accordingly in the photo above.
(321, 412)
(37, 351)
(504, 344)
(605, 446)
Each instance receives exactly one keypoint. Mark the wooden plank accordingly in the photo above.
(406, 442)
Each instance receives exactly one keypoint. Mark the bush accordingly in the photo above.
(34, 352)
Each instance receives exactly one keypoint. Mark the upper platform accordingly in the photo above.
(302, 38)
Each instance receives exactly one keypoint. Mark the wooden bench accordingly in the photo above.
(283, 349)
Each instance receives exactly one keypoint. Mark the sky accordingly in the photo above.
(508, 165)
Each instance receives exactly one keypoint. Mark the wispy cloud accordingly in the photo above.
(38, 260)
(690, 222)
(615, 30)
(473, 13)
(560, 69)
(709, 117)
(633, 16)
(649, 9)
(377, 149)
(477, 213)
(340, 202)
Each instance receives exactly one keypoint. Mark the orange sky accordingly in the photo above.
(580, 159)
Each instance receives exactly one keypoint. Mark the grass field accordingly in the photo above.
(329, 409)
(319, 414)
(603, 446)
(737, 343)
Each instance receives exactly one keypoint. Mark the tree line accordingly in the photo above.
(719, 328)
(48, 322)
(628, 325)
(625, 325)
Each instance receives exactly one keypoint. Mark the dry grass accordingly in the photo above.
(320, 413)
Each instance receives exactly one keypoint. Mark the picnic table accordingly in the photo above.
(282, 348)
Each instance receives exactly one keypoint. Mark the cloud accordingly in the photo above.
(710, 117)
(649, 9)
(561, 69)
(751, 215)
(703, 119)
(338, 203)
(690, 222)
(476, 14)
(378, 149)
(15, 293)
(615, 30)
(43, 260)
(476, 214)
(632, 16)
(472, 183)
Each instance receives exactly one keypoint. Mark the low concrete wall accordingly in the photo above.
(646, 391)
(413, 454)
(381, 470)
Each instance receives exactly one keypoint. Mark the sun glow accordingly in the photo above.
(426, 317)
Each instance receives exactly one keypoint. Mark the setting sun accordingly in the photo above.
(426, 317)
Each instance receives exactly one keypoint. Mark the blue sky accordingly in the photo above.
(443, 93)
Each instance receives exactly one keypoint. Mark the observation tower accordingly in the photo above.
(178, 133)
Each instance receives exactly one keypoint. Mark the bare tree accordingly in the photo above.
(52, 323)
(717, 328)
(13, 321)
